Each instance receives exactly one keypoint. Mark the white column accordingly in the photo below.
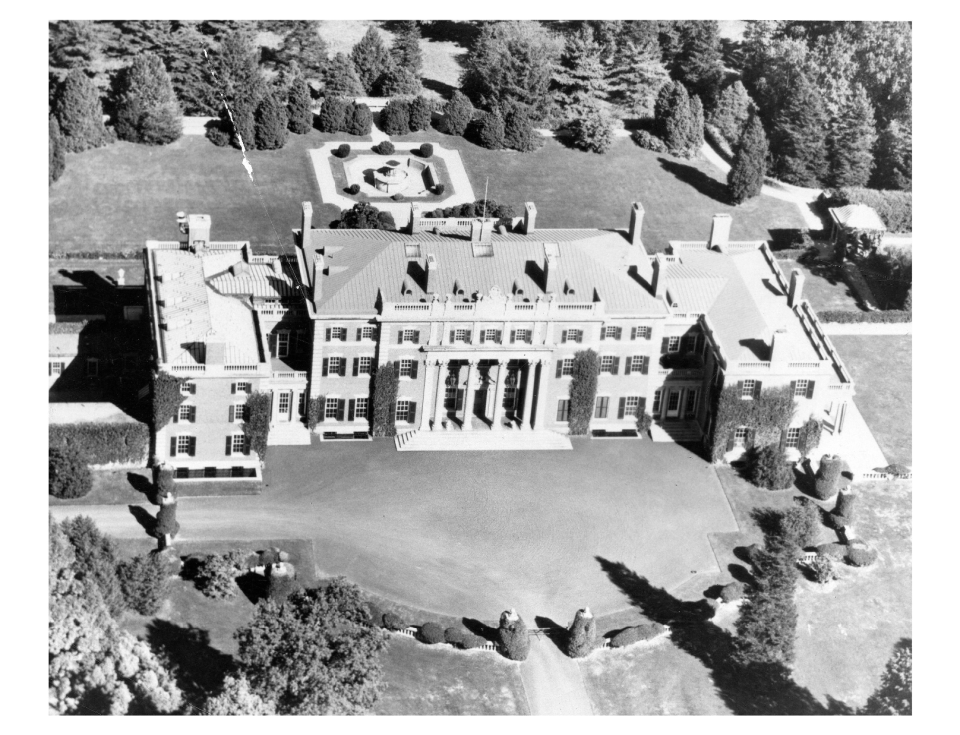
(427, 409)
(441, 392)
(538, 419)
(468, 398)
(528, 395)
(498, 395)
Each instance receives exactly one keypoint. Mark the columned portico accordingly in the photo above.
(440, 393)
(528, 395)
(498, 395)
(468, 402)
(538, 419)
(428, 395)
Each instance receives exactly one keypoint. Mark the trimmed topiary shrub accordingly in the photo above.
(732, 592)
(770, 469)
(823, 570)
(385, 148)
(164, 484)
(860, 555)
(281, 586)
(392, 621)
(583, 391)
(353, 189)
(842, 515)
(431, 633)
(69, 474)
(454, 636)
(582, 634)
(801, 523)
(439, 189)
(398, 197)
(514, 638)
(827, 480)
(342, 151)
(490, 130)
(358, 119)
(395, 117)
(636, 634)
(426, 150)
(421, 113)
(472, 641)
(167, 521)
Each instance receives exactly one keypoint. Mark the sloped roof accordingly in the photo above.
(364, 263)
(857, 217)
(692, 289)
(260, 281)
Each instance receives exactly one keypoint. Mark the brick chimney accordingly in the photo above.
(720, 232)
(415, 215)
(796, 289)
(659, 282)
(433, 274)
(636, 223)
(318, 265)
(306, 224)
(277, 266)
(529, 218)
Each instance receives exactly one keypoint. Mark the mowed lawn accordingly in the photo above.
(882, 368)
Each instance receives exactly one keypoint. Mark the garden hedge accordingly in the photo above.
(649, 141)
(455, 636)
(386, 148)
(889, 316)
(431, 633)
(833, 550)
(769, 468)
(636, 634)
(69, 474)
(472, 641)
(125, 443)
(895, 208)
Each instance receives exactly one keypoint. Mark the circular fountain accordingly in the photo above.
(391, 179)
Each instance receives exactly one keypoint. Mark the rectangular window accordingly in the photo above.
(406, 368)
(574, 335)
(403, 410)
(366, 333)
(563, 410)
(612, 332)
(690, 343)
(643, 332)
(740, 436)
(187, 413)
(522, 335)
(364, 366)
(302, 405)
(748, 387)
(239, 413)
(800, 390)
(631, 405)
(241, 387)
(283, 343)
(673, 344)
(330, 408)
(361, 408)
(238, 444)
(603, 403)
(132, 313)
(188, 389)
(490, 335)
(284, 403)
(407, 335)
(636, 363)
(656, 402)
(460, 335)
(566, 367)
(335, 366)
(56, 368)
(673, 401)
(793, 438)
(93, 367)
(691, 407)
(606, 364)
(184, 444)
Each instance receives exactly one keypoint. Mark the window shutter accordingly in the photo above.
(176, 416)
(341, 406)
(193, 389)
(246, 445)
(560, 410)
(513, 336)
(327, 338)
(793, 388)
(412, 412)
(633, 333)
(648, 333)
(359, 334)
(627, 366)
(173, 446)
(697, 343)
(499, 336)
(453, 336)
(756, 390)
(731, 442)
(325, 368)
(416, 337)
(810, 388)
(193, 414)
(233, 388)
(644, 365)
(642, 408)
(740, 389)
(351, 409)
(483, 336)
(559, 368)
(619, 333)
(459, 403)
(193, 446)
(230, 414)
(49, 368)
(392, 418)
(229, 449)
(622, 409)
(469, 338)
(603, 333)
(399, 336)
(396, 368)
(563, 336)
(616, 365)
(343, 366)
(323, 408)
(356, 366)
(413, 369)
(664, 345)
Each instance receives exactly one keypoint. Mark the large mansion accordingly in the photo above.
(481, 323)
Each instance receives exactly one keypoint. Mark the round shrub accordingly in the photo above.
(834, 551)
(842, 514)
(514, 638)
(386, 148)
(439, 189)
(353, 189)
(648, 140)
(69, 474)
(167, 521)
(827, 480)
(823, 569)
(472, 641)
(732, 592)
(398, 197)
(582, 635)
(860, 555)
(770, 469)
(431, 633)
(392, 621)
(455, 636)
(343, 150)
(426, 150)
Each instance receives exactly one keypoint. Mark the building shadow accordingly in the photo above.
(746, 690)
(147, 521)
(199, 668)
(703, 183)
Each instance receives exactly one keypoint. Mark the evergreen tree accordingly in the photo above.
(147, 108)
(674, 119)
(698, 64)
(798, 136)
(696, 127)
(609, 35)
(832, 68)
(405, 49)
(236, 70)
(399, 81)
(58, 158)
(299, 104)
(457, 115)
(333, 114)
(95, 557)
(638, 75)
(580, 77)
(583, 391)
(340, 78)
(518, 132)
(732, 112)
(304, 46)
(491, 130)
(893, 158)
(894, 696)
(190, 72)
(243, 124)
(421, 113)
(271, 123)
(364, 216)
(358, 120)
(143, 581)
(395, 117)
(74, 44)
(371, 59)
(745, 178)
(592, 130)
(79, 114)
(850, 142)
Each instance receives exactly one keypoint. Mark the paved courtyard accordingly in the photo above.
(470, 533)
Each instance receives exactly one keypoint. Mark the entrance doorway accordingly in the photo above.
(284, 403)
(673, 403)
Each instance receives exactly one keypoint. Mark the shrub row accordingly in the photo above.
(131, 253)
(636, 634)
(891, 316)
(894, 207)
(430, 633)
(649, 141)
(103, 443)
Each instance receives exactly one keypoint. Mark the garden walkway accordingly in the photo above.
(552, 681)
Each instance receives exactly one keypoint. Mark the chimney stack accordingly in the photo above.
(121, 277)
(215, 350)
(796, 289)
(182, 227)
(415, 215)
(277, 266)
(529, 218)
(774, 357)
(433, 274)
(306, 223)
(636, 223)
(550, 276)
(318, 265)
(659, 284)
(486, 229)
(720, 232)
(198, 231)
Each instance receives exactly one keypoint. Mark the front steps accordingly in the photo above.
(678, 432)
(288, 433)
(481, 440)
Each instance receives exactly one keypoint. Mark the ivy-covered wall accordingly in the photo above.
(766, 416)
(256, 426)
(166, 398)
(385, 386)
(583, 391)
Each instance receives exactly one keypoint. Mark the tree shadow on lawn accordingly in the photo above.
(705, 184)
(199, 667)
(144, 518)
(442, 88)
(746, 690)
(481, 629)
(142, 485)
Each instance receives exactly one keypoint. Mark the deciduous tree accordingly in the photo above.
(95, 559)
(147, 107)
(894, 696)
(237, 698)
(364, 216)
(893, 158)
(592, 130)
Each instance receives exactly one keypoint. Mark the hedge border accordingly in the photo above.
(891, 316)
(104, 444)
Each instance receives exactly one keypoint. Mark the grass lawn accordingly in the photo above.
(823, 286)
(115, 487)
(437, 680)
(882, 368)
